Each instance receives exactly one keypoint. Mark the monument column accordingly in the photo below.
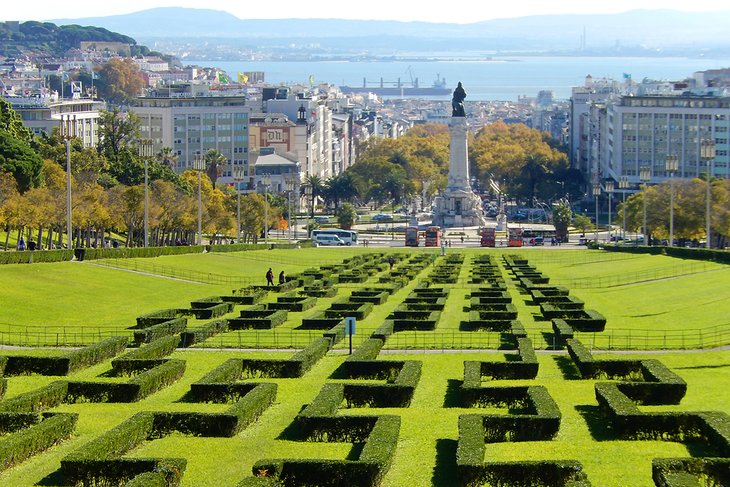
(458, 156)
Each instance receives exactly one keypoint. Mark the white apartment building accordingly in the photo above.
(192, 124)
(641, 131)
(42, 112)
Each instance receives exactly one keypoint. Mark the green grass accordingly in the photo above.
(425, 454)
(83, 294)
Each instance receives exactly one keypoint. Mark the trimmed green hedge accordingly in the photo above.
(472, 470)
(35, 438)
(246, 409)
(262, 319)
(628, 422)
(37, 400)
(99, 461)
(690, 472)
(65, 364)
(145, 357)
(155, 332)
(190, 337)
(136, 389)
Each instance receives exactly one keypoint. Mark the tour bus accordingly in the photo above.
(412, 237)
(347, 236)
(488, 235)
(433, 237)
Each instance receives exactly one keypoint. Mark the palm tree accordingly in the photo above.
(343, 187)
(315, 182)
(214, 162)
(167, 157)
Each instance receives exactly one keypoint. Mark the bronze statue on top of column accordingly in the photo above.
(457, 102)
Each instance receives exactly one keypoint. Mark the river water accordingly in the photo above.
(495, 78)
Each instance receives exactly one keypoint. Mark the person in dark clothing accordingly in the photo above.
(31, 245)
(269, 277)
(282, 278)
(391, 261)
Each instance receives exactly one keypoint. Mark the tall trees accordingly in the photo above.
(122, 81)
(16, 155)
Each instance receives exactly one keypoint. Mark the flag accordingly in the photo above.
(627, 76)
(311, 79)
(242, 78)
(223, 78)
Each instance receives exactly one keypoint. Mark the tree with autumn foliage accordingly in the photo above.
(121, 81)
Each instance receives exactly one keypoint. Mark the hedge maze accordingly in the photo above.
(497, 398)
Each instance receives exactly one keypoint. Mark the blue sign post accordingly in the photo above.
(350, 329)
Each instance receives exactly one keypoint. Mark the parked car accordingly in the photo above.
(382, 217)
(321, 219)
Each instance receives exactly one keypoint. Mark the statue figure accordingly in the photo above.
(457, 102)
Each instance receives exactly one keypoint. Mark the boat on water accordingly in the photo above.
(399, 88)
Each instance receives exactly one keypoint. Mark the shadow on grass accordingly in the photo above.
(444, 473)
(293, 432)
(551, 340)
(598, 426)
(55, 478)
(452, 398)
(530, 302)
(568, 368)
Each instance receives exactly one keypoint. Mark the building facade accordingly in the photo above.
(192, 125)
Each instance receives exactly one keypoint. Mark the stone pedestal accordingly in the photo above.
(458, 206)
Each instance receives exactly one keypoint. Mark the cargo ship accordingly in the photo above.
(399, 88)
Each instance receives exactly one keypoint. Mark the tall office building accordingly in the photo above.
(192, 123)
(643, 130)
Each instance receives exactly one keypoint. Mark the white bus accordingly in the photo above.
(347, 236)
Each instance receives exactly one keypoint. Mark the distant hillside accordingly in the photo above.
(45, 38)
(651, 28)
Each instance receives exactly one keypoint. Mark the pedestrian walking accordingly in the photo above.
(391, 261)
(269, 277)
(282, 278)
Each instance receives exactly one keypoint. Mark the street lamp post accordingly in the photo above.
(672, 164)
(266, 180)
(237, 177)
(66, 134)
(645, 176)
(623, 184)
(707, 154)
(609, 192)
(199, 166)
(145, 152)
(290, 185)
(596, 193)
(308, 195)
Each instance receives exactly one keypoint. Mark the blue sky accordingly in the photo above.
(458, 12)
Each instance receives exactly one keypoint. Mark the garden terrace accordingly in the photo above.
(245, 296)
(374, 297)
(258, 317)
(292, 303)
(431, 445)
(342, 309)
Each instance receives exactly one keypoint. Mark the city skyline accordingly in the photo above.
(377, 9)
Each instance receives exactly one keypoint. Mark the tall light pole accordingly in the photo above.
(237, 178)
(707, 154)
(644, 176)
(67, 135)
(266, 181)
(290, 185)
(199, 166)
(308, 195)
(596, 193)
(609, 192)
(672, 164)
(623, 184)
(145, 152)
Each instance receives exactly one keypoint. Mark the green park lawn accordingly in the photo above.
(660, 294)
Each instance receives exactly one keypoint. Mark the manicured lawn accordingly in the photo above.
(425, 455)
(83, 294)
